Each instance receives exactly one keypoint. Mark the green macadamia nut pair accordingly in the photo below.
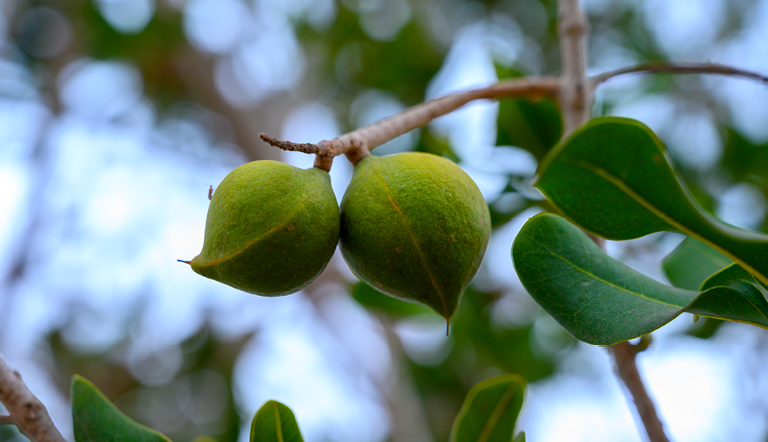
(271, 228)
(412, 225)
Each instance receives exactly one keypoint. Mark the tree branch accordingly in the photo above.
(25, 409)
(575, 93)
(358, 143)
(624, 356)
(575, 103)
(572, 89)
(678, 68)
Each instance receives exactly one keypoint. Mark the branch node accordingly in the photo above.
(645, 342)
(358, 150)
(359, 143)
(324, 162)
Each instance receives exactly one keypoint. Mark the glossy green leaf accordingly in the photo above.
(612, 177)
(691, 263)
(730, 274)
(274, 422)
(95, 419)
(490, 410)
(751, 307)
(520, 437)
(601, 301)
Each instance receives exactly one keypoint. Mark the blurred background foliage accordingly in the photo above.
(116, 116)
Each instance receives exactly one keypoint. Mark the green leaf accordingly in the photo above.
(490, 410)
(731, 274)
(274, 422)
(601, 301)
(612, 178)
(691, 263)
(97, 420)
(751, 307)
(520, 437)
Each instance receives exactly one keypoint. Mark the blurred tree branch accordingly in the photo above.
(678, 68)
(25, 408)
(196, 71)
(405, 407)
(575, 95)
(624, 356)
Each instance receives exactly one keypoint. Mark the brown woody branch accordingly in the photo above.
(576, 101)
(679, 68)
(358, 143)
(26, 410)
(575, 94)
(624, 356)
(572, 89)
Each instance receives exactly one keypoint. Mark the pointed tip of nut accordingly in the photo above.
(185, 262)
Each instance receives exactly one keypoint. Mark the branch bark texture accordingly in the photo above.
(575, 103)
(624, 356)
(369, 137)
(26, 410)
(575, 92)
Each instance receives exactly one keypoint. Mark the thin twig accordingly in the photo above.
(26, 410)
(575, 103)
(624, 355)
(679, 68)
(573, 90)
(369, 137)
(291, 146)
(7, 419)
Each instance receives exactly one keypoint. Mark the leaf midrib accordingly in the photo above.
(613, 179)
(278, 423)
(609, 283)
(496, 413)
(288, 219)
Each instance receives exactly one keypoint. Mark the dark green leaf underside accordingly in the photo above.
(601, 301)
(95, 419)
(275, 422)
(612, 177)
(490, 411)
(691, 263)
